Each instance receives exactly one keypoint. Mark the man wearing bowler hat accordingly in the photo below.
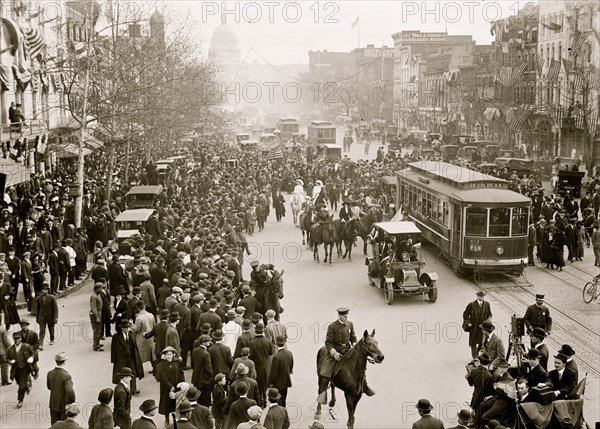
(220, 354)
(427, 421)
(492, 344)
(339, 340)
(282, 367)
(567, 350)
(101, 415)
(20, 355)
(238, 413)
(183, 422)
(474, 315)
(149, 408)
(172, 334)
(277, 416)
(60, 384)
(124, 353)
(537, 342)
(260, 351)
(200, 416)
(563, 379)
(122, 398)
(202, 373)
(464, 416)
(537, 374)
(538, 316)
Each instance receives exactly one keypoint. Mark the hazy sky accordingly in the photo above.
(283, 32)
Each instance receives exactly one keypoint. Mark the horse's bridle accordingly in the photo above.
(367, 354)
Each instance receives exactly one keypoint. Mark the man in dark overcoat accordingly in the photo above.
(117, 279)
(124, 353)
(260, 350)
(122, 398)
(474, 315)
(20, 355)
(281, 369)
(202, 375)
(60, 385)
(45, 310)
(220, 354)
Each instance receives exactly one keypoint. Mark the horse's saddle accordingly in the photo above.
(327, 365)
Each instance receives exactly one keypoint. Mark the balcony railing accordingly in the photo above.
(23, 129)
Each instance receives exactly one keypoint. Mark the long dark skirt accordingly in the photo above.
(557, 257)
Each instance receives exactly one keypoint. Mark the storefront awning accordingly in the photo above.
(15, 173)
(71, 150)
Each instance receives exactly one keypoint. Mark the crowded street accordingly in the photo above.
(220, 263)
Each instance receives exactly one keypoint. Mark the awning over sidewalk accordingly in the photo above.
(71, 150)
(15, 173)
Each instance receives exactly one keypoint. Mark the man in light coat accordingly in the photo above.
(144, 322)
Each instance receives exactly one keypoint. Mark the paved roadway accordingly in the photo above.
(425, 349)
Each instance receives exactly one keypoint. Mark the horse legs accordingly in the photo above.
(333, 399)
(330, 252)
(349, 250)
(351, 402)
(303, 240)
(316, 252)
(365, 246)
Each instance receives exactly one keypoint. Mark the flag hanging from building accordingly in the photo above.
(539, 64)
(275, 154)
(519, 118)
(355, 22)
(22, 76)
(517, 74)
(4, 79)
(578, 82)
(567, 64)
(33, 42)
(80, 50)
(578, 41)
(553, 71)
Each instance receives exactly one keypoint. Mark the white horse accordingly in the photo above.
(297, 203)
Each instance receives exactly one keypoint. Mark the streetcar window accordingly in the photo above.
(476, 222)
(427, 202)
(519, 221)
(499, 222)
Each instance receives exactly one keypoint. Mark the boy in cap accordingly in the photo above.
(60, 384)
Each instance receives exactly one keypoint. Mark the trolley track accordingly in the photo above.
(588, 351)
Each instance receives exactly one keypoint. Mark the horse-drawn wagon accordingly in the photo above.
(397, 265)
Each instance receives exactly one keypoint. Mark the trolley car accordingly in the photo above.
(476, 222)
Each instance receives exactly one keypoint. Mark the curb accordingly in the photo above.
(62, 294)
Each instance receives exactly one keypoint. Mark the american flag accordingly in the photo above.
(539, 64)
(567, 64)
(578, 41)
(275, 154)
(33, 42)
(578, 82)
(553, 72)
(580, 119)
(518, 72)
(519, 119)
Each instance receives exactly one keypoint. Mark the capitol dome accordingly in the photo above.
(224, 45)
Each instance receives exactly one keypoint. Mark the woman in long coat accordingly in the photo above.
(169, 373)
(7, 296)
(557, 249)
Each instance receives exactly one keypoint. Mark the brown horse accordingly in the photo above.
(306, 223)
(350, 373)
(346, 233)
(365, 225)
(323, 234)
(269, 295)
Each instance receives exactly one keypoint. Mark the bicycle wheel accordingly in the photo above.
(589, 292)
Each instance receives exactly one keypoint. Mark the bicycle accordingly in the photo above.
(591, 291)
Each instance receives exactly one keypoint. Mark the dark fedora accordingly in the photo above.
(464, 416)
(192, 394)
(259, 329)
(174, 316)
(484, 359)
(148, 405)
(184, 407)
(424, 405)
(217, 335)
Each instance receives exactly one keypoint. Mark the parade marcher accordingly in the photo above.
(124, 353)
(238, 413)
(148, 407)
(219, 398)
(427, 421)
(200, 416)
(169, 373)
(281, 370)
(45, 310)
(101, 416)
(20, 356)
(538, 316)
(474, 315)
(339, 340)
(220, 354)
(71, 411)
(537, 342)
(122, 398)
(260, 352)
(202, 374)
(60, 384)
(277, 416)
(4, 346)
(184, 409)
